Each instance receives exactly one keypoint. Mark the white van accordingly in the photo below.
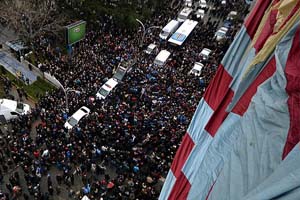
(205, 53)
(221, 33)
(200, 13)
(150, 48)
(202, 4)
(232, 15)
(162, 58)
(184, 14)
(188, 3)
(197, 69)
(169, 29)
(10, 109)
(106, 88)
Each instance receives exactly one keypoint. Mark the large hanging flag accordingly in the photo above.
(242, 142)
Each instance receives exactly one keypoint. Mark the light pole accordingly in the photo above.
(65, 91)
(144, 30)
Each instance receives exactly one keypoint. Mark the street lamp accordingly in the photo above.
(145, 30)
(65, 91)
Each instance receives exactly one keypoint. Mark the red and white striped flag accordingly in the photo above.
(243, 138)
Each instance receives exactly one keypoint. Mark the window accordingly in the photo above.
(14, 113)
(72, 121)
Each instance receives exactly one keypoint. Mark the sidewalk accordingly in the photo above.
(15, 67)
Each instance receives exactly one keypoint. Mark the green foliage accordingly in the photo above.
(124, 11)
(2, 93)
(38, 88)
(31, 58)
(35, 90)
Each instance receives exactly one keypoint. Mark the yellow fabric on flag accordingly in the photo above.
(284, 9)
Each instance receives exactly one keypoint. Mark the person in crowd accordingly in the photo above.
(127, 143)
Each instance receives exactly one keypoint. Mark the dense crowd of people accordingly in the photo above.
(124, 148)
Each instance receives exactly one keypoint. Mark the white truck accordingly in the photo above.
(10, 109)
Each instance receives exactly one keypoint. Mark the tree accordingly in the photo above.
(31, 17)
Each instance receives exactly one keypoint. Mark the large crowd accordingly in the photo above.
(124, 148)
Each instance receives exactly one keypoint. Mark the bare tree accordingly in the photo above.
(31, 17)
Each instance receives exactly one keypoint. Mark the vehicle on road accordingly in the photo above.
(232, 15)
(76, 117)
(120, 73)
(204, 54)
(150, 48)
(162, 58)
(188, 3)
(227, 23)
(184, 14)
(200, 13)
(183, 32)
(106, 88)
(202, 4)
(221, 33)
(169, 29)
(197, 69)
(10, 109)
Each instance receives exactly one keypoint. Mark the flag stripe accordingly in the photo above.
(292, 72)
(219, 115)
(206, 160)
(180, 189)
(166, 190)
(182, 154)
(236, 51)
(218, 88)
(292, 13)
(253, 20)
(202, 114)
(258, 136)
(243, 103)
(267, 30)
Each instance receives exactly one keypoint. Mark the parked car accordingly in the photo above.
(200, 13)
(202, 4)
(150, 48)
(221, 33)
(10, 109)
(188, 3)
(162, 58)
(169, 29)
(227, 23)
(105, 89)
(232, 15)
(184, 14)
(204, 54)
(76, 117)
(197, 69)
(120, 73)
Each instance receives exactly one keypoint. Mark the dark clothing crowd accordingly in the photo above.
(124, 148)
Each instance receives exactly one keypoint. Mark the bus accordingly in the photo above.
(183, 32)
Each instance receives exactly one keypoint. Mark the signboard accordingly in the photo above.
(75, 32)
